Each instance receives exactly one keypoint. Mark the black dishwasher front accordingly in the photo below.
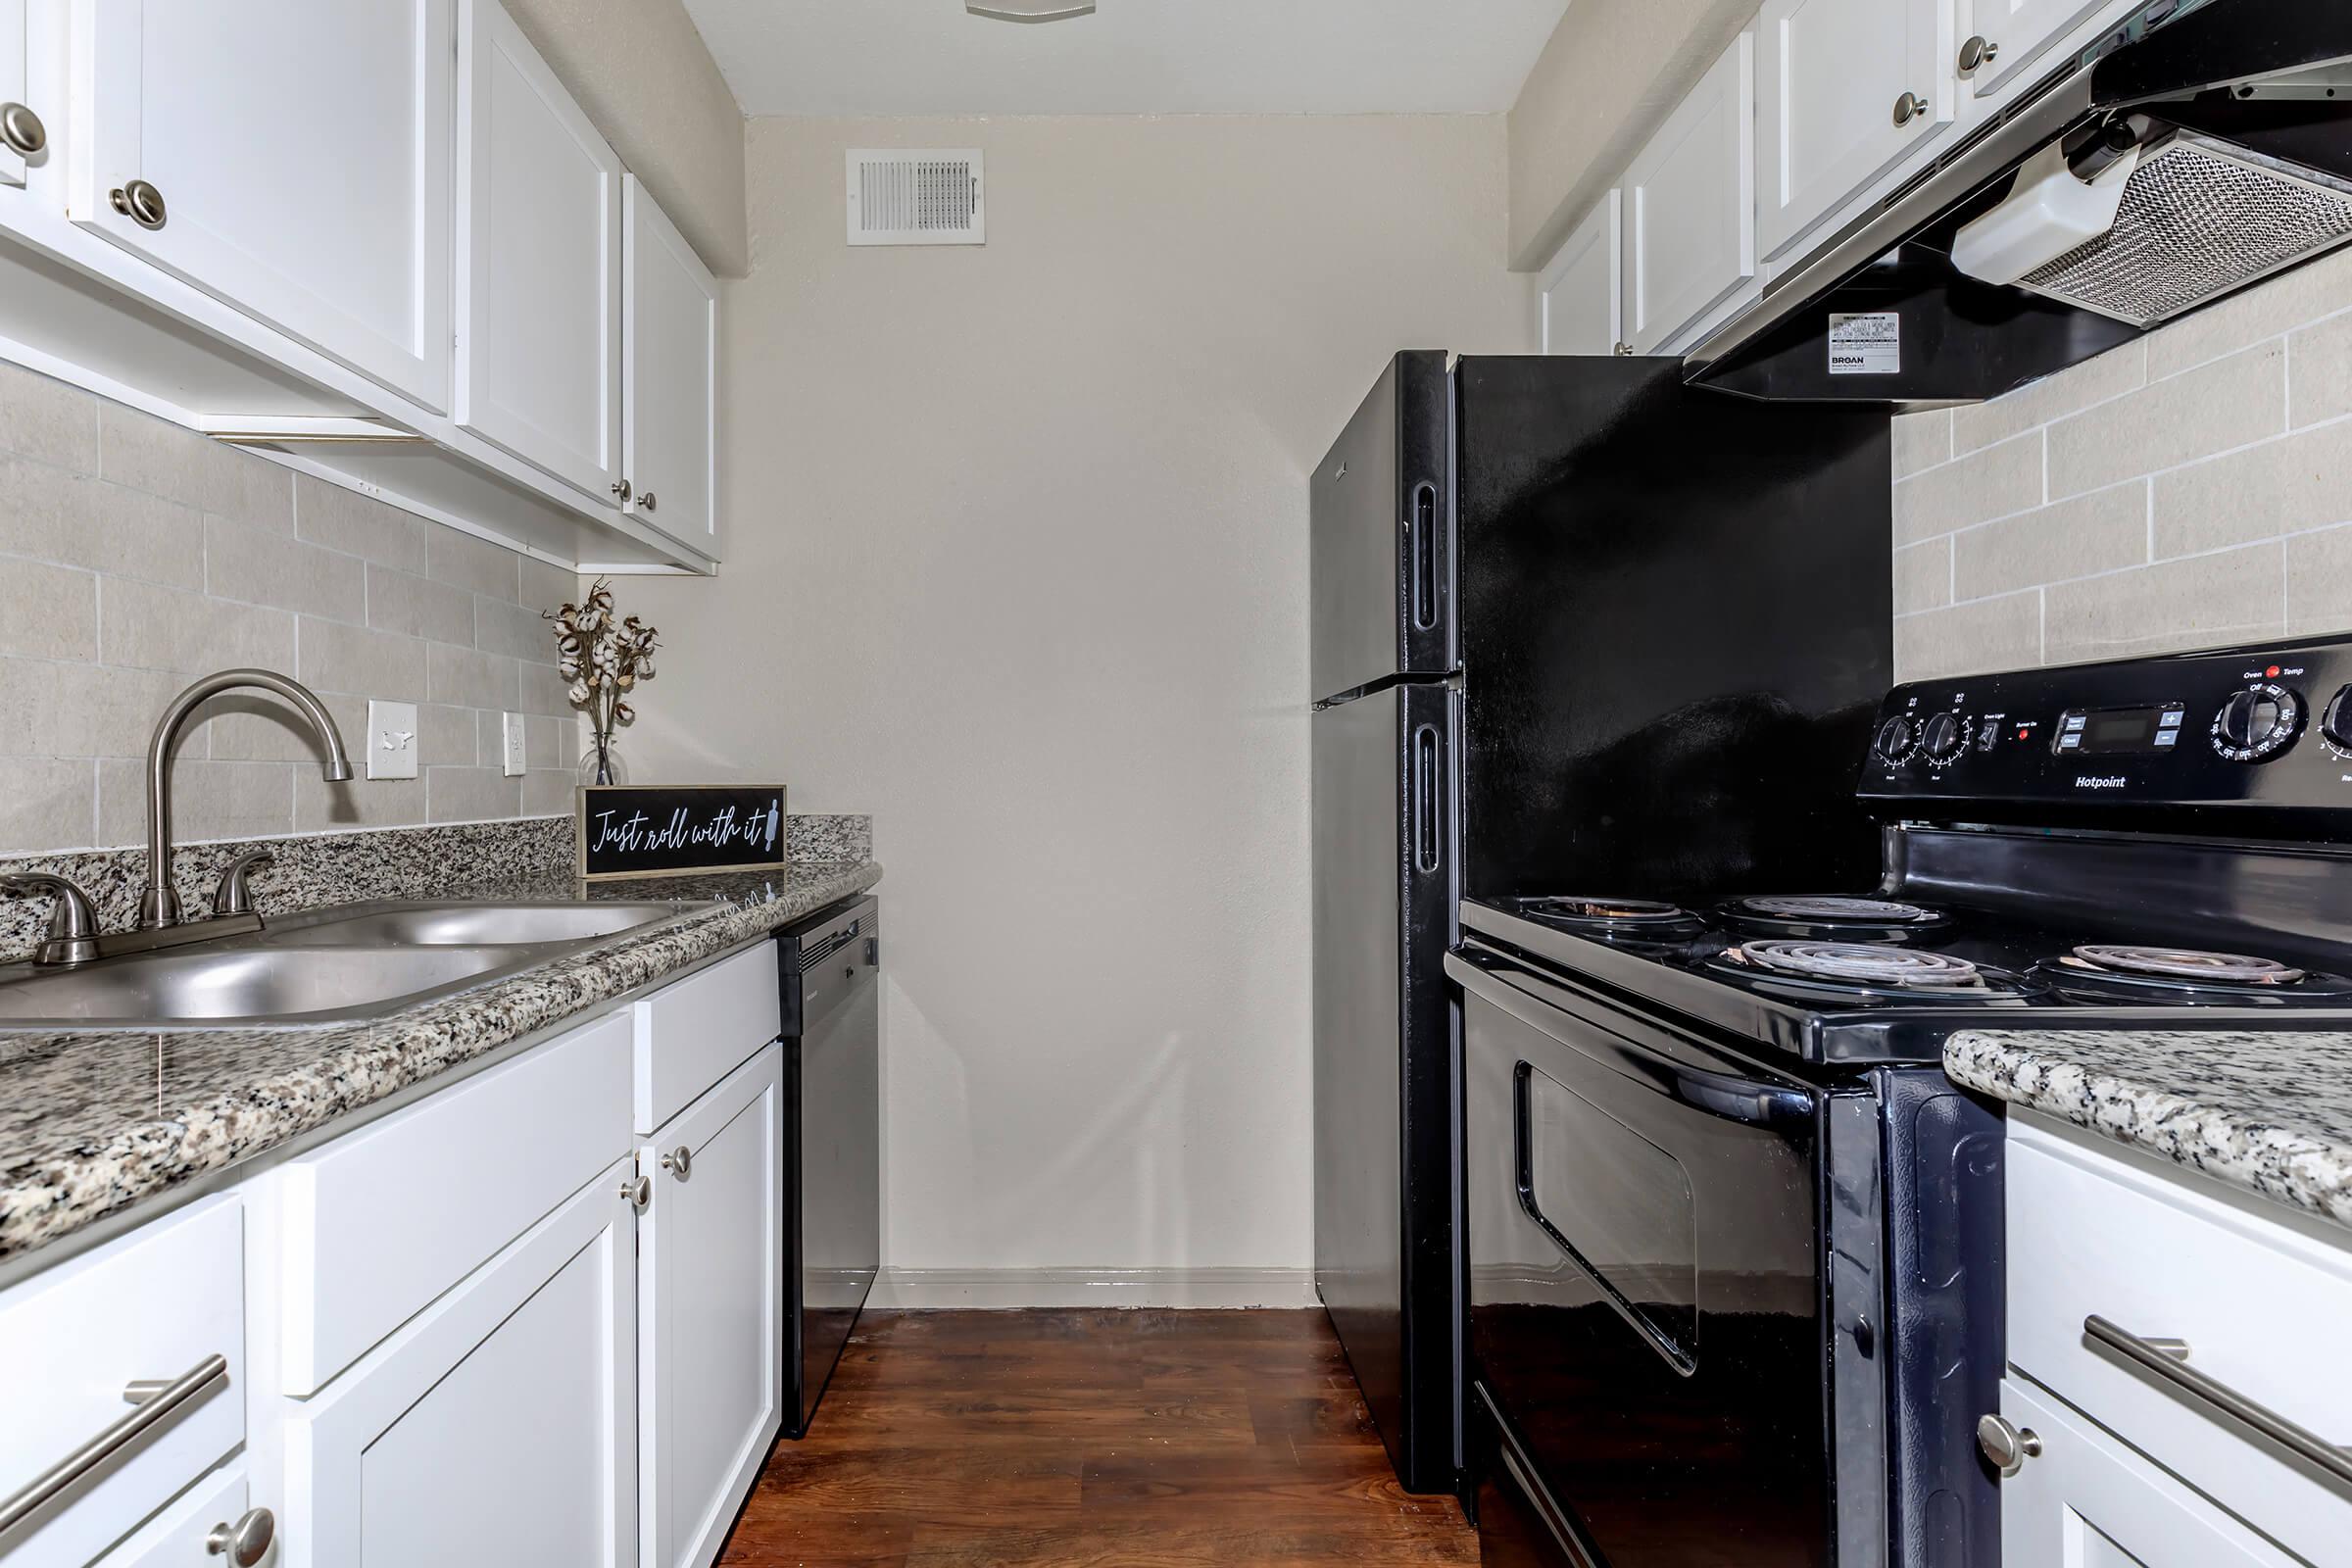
(831, 964)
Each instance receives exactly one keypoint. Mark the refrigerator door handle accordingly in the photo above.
(1421, 547)
(1428, 809)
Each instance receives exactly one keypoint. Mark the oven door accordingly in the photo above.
(1647, 1282)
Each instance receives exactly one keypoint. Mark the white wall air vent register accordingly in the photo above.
(910, 196)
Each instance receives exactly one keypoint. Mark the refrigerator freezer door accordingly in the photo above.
(1381, 535)
(1386, 1261)
(1676, 626)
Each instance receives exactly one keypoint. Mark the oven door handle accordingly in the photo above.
(1721, 1088)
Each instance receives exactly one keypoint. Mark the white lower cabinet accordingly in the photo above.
(711, 1291)
(162, 1308)
(2087, 1500)
(216, 1523)
(496, 1429)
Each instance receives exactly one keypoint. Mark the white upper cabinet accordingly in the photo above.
(1851, 88)
(670, 358)
(2016, 33)
(539, 292)
(16, 131)
(1584, 295)
(1691, 206)
(290, 158)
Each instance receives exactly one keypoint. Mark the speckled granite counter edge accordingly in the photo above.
(2046, 1072)
(343, 1068)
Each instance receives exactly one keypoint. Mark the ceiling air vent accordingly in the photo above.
(902, 196)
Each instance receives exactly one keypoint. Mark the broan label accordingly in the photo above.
(2100, 782)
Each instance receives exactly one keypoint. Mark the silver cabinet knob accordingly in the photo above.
(679, 1162)
(646, 500)
(22, 130)
(620, 488)
(141, 203)
(639, 1190)
(1624, 351)
(247, 1541)
(1978, 51)
(1909, 107)
(2007, 1447)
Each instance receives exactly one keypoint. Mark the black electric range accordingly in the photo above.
(1734, 1241)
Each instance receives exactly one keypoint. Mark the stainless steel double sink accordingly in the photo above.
(357, 961)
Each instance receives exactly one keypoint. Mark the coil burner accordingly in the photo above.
(1612, 918)
(2185, 964)
(2190, 976)
(1857, 964)
(1830, 917)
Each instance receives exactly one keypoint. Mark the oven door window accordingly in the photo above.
(1617, 1206)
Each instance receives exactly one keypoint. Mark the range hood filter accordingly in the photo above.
(2199, 219)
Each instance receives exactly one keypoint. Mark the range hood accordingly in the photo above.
(2194, 151)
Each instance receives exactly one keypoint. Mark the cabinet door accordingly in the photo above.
(710, 1286)
(300, 153)
(12, 83)
(669, 373)
(1834, 76)
(539, 286)
(1690, 205)
(2019, 32)
(2087, 1500)
(498, 1427)
(1582, 294)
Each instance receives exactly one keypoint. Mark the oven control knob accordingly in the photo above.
(1896, 737)
(1944, 736)
(2337, 724)
(2257, 723)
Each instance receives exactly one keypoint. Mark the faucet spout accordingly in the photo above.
(159, 903)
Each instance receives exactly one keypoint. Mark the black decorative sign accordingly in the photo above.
(628, 830)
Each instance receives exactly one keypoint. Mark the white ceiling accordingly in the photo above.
(1177, 57)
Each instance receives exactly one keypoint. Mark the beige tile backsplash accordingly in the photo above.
(2191, 489)
(136, 555)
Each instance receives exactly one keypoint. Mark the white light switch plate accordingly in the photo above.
(391, 739)
(513, 756)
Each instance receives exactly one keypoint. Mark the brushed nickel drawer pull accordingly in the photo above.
(155, 1403)
(2169, 1361)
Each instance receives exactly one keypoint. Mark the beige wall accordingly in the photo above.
(1017, 562)
(1610, 76)
(2192, 489)
(647, 82)
(136, 555)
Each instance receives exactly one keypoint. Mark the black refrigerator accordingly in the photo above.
(1575, 629)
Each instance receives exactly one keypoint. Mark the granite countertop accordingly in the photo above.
(94, 1123)
(2270, 1110)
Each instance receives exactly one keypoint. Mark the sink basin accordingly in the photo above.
(247, 984)
(329, 966)
(465, 924)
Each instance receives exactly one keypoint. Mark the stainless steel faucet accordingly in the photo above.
(159, 905)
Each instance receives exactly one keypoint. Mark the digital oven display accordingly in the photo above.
(2107, 731)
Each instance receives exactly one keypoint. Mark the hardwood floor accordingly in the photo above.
(1141, 1439)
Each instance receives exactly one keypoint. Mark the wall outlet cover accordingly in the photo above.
(391, 739)
(513, 761)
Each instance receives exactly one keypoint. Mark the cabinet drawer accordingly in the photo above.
(2086, 1500)
(377, 1225)
(156, 1304)
(177, 1537)
(692, 1034)
(2261, 1306)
